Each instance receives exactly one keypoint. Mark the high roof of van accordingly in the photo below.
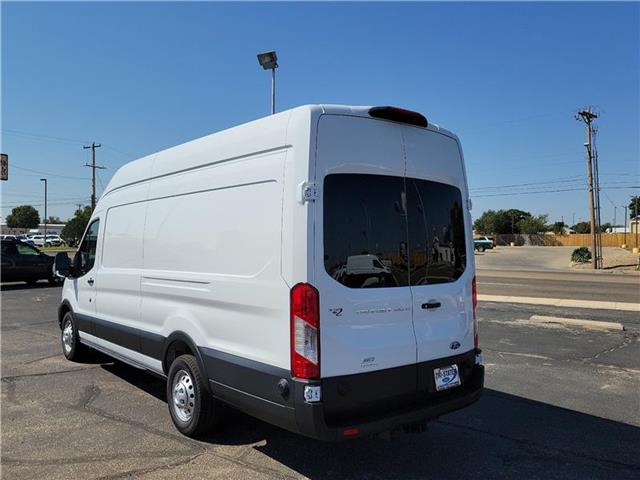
(261, 135)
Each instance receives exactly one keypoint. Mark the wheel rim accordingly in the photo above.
(183, 396)
(67, 337)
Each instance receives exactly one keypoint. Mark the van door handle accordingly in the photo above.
(90, 281)
(431, 304)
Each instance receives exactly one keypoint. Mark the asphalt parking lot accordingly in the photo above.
(559, 403)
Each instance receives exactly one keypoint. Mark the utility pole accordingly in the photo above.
(93, 166)
(637, 218)
(587, 116)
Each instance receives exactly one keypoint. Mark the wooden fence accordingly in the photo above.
(573, 240)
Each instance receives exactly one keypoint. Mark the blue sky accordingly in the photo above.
(506, 77)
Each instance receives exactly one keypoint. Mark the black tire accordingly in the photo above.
(481, 248)
(204, 411)
(76, 352)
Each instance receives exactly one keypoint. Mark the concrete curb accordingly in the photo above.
(562, 302)
(577, 322)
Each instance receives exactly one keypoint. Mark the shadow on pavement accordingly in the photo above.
(5, 287)
(501, 436)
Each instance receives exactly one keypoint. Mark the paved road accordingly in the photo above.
(579, 286)
(559, 403)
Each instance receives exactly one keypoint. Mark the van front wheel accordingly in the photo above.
(193, 410)
(71, 347)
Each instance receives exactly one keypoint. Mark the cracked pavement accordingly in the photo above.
(559, 403)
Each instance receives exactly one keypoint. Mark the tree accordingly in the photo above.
(75, 227)
(486, 224)
(585, 227)
(582, 227)
(604, 226)
(53, 219)
(558, 228)
(24, 216)
(634, 207)
(500, 222)
(531, 225)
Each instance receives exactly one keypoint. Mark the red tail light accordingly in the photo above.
(474, 295)
(305, 331)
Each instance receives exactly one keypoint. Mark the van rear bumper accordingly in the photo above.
(312, 422)
(370, 402)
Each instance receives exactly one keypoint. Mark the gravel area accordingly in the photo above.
(613, 258)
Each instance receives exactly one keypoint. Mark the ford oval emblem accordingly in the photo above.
(454, 345)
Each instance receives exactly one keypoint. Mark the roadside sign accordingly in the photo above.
(4, 166)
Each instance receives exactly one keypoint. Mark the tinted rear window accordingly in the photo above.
(384, 231)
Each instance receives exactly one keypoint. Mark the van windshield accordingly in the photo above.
(385, 231)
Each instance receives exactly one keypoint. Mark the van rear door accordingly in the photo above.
(361, 268)
(441, 250)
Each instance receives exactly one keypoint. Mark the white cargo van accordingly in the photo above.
(313, 268)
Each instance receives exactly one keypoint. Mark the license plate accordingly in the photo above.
(446, 377)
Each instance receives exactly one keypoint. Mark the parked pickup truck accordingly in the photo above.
(482, 243)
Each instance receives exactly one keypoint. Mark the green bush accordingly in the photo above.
(581, 255)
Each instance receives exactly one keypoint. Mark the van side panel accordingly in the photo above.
(212, 259)
(297, 215)
(118, 278)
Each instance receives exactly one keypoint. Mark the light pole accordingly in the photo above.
(44, 244)
(269, 61)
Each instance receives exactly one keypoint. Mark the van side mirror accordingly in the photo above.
(62, 265)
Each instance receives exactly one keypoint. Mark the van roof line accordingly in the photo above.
(261, 130)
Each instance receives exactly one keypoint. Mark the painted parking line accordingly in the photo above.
(563, 302)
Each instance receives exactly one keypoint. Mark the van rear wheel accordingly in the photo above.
(193, 410)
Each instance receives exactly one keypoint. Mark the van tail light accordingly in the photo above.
(305, 331)
(474, 295)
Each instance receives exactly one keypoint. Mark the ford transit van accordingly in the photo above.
(313, 269)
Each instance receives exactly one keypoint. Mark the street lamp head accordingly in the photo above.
(43, 179)
(268, 60)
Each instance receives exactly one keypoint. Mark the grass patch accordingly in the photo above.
(56, 249)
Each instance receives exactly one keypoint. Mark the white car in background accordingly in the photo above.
(51, 240)
(54, 240)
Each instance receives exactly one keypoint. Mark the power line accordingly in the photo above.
(40, 135)
(572, 184)
(560, 180)
(57, 203)
(40, 172)
(630, 187)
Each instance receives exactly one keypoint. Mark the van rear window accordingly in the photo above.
(383, 231)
